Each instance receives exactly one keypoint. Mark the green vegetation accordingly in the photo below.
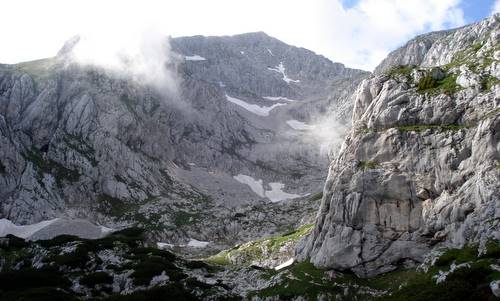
(446, 85)
(402, 70)
(302, 279)
(467, 283)
(93, 279)
(53, 281)
(246, 253)
(182, 218)
(45, 165)
(426, 82)
(498, 166)
(365, 165)
(422, 127)
(488, 82)
(80, 145)
(112, 206)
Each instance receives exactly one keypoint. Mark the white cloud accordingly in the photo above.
(360, 36)
(496, 7)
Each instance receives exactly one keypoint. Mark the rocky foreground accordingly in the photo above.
(121, 266)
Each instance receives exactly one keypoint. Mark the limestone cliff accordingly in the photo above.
(421, 167)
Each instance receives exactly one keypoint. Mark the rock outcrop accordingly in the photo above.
(420, 168)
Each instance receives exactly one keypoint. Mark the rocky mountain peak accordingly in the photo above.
(419, 170)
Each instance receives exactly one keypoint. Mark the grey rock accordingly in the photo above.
(419, 170)
(83, 142)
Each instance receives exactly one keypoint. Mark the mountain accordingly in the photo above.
(232, 156)
(410, 209)
(419, 170)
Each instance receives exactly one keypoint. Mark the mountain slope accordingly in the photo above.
(420, 168)
(82, 141)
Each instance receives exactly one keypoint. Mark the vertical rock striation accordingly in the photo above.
(421, 166)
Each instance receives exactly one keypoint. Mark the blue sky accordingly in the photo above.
(474, 10)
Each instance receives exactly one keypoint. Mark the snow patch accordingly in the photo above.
(106, 230)
(281, 69)
(256, 109)
(194, 58)
(270, 52)
(276, 194)
(197, 243)
(299, 125)
(284, 264)
(7, 227)
(257, 186)
(242, 52)
(278, 98)
(164, 245)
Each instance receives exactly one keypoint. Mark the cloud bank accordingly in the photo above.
(358, 35)
(142, 55)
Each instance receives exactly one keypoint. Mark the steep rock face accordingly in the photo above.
(80, 141)
(420, 168)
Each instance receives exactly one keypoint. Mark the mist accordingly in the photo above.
(143, 56)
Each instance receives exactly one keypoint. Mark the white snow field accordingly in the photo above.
(278, 98)
(276, 194)
(8, 227)
(194, 58)
(284, 264)
(299, 125)
(257, 186)
(256, 109)
(197, 243)
(281, 69)
(54, 227)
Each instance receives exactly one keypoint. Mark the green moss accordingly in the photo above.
(365, 165)
(254, 250)
(498, 166)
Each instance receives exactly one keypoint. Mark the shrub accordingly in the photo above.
(96, 278)
(426, 82)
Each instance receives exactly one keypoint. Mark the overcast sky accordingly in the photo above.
(358, 33)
